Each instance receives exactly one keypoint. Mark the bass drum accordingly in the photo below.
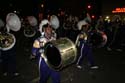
(60, 53)
(98, 39)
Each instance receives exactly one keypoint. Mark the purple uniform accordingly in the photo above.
(45, 71)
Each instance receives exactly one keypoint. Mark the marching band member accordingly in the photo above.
(8, 52)
(82, 42)
(38, 49)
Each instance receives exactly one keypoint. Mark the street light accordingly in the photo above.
(89, 6)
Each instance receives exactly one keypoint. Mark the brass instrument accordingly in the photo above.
(29, 31)
(59, 53)
(54, 21)
(7, 41)
(30, 26)
(13, 22)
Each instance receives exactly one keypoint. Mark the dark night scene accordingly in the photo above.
(62, 41)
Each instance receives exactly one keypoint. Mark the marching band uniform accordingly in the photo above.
(9, 61)
(84, 47)
(8, 54)
(37, 51)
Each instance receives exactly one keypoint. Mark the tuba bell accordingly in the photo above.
(13, 22)
(54, 21)
(30, 26)
(7, 39)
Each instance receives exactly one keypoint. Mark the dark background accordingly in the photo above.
(29, 7)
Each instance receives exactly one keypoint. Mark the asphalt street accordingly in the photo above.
(111, 68)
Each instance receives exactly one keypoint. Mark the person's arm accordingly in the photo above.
(77, 41)
(35, 49)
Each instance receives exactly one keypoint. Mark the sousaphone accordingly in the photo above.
(13, 22)
(7, 39)
(54, 21)
(30, 28)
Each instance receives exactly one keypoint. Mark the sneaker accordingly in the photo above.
(5, 74)
(16, 74)
(109, 49)
(94, 67)
(119, 50)
(79, 67)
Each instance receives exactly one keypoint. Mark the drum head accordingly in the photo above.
(59, 53)
(53, 55)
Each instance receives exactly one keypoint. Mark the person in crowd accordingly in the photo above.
(8, 54)
(84, 46)
(47, 35)
(115, 36)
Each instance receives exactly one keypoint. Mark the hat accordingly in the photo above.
(81, 23)
(43, 22)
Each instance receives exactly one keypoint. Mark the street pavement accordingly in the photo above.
(111, 68)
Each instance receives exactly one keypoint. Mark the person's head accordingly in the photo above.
(43, 24)
(45, 27)
(83, 25)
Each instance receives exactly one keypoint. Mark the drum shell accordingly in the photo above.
(63, 53)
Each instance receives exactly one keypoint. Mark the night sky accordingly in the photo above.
(24, 6)
(73, 6)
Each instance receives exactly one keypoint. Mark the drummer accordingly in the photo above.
(38, 49)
